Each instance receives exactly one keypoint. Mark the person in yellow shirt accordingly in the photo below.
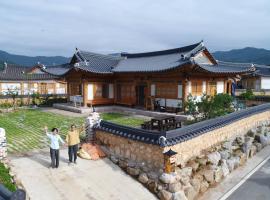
(73, 140)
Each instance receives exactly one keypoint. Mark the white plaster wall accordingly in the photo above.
(90, 91)
(153, 90)
(180, 91)
(220, 87)
(265, 82)
(111, 93)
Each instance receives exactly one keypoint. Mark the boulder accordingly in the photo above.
(153, 186)
(165, 195)
(225, 154)
(202, 161)
(262, 139)
(247, 145)
(143, 178)
(123, 164)
(209, 175)
(240, 140)
(198, 177)
(258, 146)
(190, 193)
(133, 171)
(231, 164)
(175, 187)
(168, 178)
(114, 159)
(152, 175)
(196, 183)
(214, 158)
(218, 174)
(227, 145)
(186, 171)
(242, 159)
(204, 186)
(253, 151)
(194, 165)
(180, 195)
(185, 180)
(224, 167)
(251, 133)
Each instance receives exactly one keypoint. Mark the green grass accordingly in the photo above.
(5, 178)
(25, 128)
(122, 119)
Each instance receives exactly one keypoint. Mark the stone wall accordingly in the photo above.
(196, 146)
(132, 151)
(3, 144)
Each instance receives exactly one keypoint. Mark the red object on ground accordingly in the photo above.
(93, 150)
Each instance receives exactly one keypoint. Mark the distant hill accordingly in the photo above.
(247, 55)
(30, 61)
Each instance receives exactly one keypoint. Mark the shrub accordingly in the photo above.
(248, 95)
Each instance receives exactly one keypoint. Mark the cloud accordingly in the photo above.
(48, 27)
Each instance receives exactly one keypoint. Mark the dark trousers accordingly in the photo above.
(72, 152)
(54, 157)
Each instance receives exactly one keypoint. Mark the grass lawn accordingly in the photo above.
(5, 178)
(123, 119)
(25, 128)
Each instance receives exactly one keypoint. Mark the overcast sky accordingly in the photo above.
(56, 27)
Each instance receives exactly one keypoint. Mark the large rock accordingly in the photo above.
(133, 171)
(253, 151)
(251, 133)
(196, 183)
(194, 165)
(190, 193)
(143, 178)
(153, 186)
(218, 174)
(258, 146)
(114, 159)
(240, 140)
(179, 196)
(186, 171)
(168, 178)
(231, 164)
(225, 154)
(214, 158)
(204, 186)
(123, 164)
(247, 145)
(185, 180)
(227, 145)
(165, 195)
(202, 161)
(224, 167)
(209, 175)
(175, 187)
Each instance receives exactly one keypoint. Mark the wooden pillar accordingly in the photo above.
(22, 88)
(84, 86)
(1, 89)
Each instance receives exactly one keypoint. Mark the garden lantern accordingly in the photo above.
(169, 161)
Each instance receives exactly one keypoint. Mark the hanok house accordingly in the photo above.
(258, 80)
(36, 79)
(141, 79)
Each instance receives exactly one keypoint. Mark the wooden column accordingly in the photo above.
(22, 88)
(84, 87)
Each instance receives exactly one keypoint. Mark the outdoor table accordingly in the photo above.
(161, 122)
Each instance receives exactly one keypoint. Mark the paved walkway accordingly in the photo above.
(91, 180)
(250, 182)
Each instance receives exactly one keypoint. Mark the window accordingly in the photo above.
(196, 89)
(101, 91)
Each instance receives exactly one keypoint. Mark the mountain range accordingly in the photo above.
(245, 55)
(31, 60)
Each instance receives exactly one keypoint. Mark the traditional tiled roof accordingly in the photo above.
(179, 135)
(14, 72)
(261, 70)
(158, 60)
(58, 70)
(227, 67)
(96, 63)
